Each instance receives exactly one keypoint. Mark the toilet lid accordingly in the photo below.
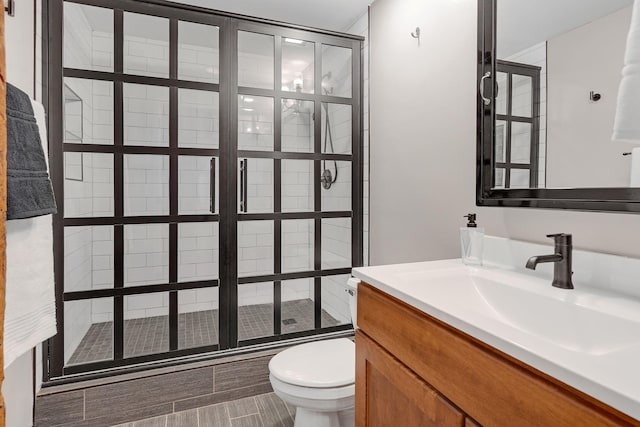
(318, 364)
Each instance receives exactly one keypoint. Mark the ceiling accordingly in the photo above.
(336, 15)
(524, 23)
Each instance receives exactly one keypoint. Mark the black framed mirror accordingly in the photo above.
(548, 77)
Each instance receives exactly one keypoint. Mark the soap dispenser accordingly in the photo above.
(471, 239)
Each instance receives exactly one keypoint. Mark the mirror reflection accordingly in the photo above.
(558, 70)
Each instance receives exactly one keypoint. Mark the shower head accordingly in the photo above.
(327, 76)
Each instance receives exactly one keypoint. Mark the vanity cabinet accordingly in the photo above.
(414, 370)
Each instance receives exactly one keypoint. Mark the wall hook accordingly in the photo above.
(595, 97)
(10, 8)
(416, 35)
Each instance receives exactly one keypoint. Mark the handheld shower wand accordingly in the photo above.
(328, 178)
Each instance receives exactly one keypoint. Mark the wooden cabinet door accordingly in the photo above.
(390, 394)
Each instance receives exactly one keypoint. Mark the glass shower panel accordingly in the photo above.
(338, 196)
(297, 65)
(146, 45)
(297, 185)
(501, 141)
(146, 184)
(255, 185)
(198, 185)
(198, 119)
(520, 178)
(146, 324)
(336, 71)
(297, 306)
(255, 248)
(522, 95)
(500, 178)
(336, 243)
(88, 184)
(503, 93)
(255, 123)
(335, 301)
(198, 251)
(88, 111)
(297, 245)
(520, 142)
(336, 129)
(88, 331)
(255, 60)
(198, 323)
(255, 310)
(146, 115)
(146, 254)
(88, 258)
(297, 125)
(198, 52)
(88, 37)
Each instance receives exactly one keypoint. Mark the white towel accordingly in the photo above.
(30, 315)
(626, 127)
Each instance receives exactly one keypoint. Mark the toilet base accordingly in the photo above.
(310, 418)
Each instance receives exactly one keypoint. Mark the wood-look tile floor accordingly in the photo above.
(264, 410)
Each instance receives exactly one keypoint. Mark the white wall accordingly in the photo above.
(19, 34)
(422, 127)
(580, 150)
(423, 149)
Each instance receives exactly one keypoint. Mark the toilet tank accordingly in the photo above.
(352, 291)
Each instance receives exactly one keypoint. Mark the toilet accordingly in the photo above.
(318, 378)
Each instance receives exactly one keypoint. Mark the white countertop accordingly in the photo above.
(587, 338)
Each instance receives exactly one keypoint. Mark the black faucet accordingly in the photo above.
(561, 259)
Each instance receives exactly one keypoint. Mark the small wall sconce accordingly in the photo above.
(416, 35)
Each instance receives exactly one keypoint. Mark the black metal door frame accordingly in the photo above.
(511, 68)
(228, 218)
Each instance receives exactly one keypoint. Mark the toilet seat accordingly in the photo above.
(320, 364)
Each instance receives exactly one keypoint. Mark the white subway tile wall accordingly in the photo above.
(146, 115)
(146, 254)
(146, 184)
(297, 185)
(256, 60)
(297, 125)
(198, 119)
(198, 47)
(255, 248)
(255, 123)
(146, 48)
(198, 251)
(297, 245)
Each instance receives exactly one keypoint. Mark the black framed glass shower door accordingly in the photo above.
(188, 158)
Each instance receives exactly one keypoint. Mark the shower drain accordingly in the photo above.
(289, 321)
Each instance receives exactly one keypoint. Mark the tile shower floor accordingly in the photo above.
(151, 334)
(264, 410)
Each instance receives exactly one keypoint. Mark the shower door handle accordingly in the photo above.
(243, 185)
(212, 185)
(485, 100)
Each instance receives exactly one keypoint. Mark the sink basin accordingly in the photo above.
(585, 321)
(572, 319)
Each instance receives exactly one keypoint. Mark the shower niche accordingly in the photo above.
(221, 199)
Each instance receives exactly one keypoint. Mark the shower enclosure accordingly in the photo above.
(208, 173)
